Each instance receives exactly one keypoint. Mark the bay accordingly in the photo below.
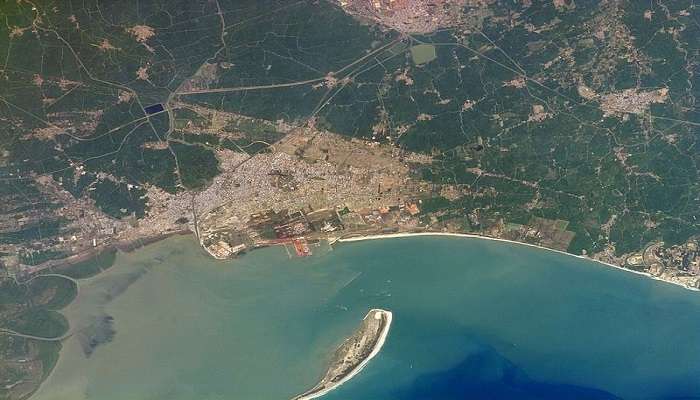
(472, 319)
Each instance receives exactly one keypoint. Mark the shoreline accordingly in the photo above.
(126, 246)
(375, 350)
(395, 235)
(133, 245)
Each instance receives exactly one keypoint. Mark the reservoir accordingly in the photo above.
(472, 319)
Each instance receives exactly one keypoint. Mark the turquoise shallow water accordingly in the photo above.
(473, 319)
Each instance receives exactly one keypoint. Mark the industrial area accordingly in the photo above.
(311, 186)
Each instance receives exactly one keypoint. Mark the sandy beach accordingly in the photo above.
(378, 346)
(470, 236)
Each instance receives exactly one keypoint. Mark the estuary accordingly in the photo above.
(472, 319)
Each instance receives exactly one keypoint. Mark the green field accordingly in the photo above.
(423, 53)
(499, 95)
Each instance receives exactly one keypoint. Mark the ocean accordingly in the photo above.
(473, 319)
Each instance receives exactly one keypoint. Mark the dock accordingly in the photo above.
(301, 246)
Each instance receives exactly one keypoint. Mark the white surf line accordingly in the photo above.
(467, 235)
(378, 346)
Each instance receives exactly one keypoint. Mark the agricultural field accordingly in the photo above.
(572, 125)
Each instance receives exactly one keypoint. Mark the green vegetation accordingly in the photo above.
(48, 354)
(186, 118)
(158, 168)
(197, 165)
(31, 308)
(423, 53)
(499, 110)
(538, 141)
(39, 321)
(40, 256)
(89, 268)
(63, 291)
(119, 199)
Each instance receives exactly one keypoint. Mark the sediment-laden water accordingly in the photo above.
(471, 319)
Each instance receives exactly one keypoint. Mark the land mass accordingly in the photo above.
(432, 120)
(567, 125)
(353, 354)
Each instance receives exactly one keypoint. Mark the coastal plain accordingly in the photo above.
(570, 126)
(567, 125)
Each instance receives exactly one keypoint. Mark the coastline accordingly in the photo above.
(379, 345)
(125, 246)
(132, 245)
(472, 236)
(375, 350)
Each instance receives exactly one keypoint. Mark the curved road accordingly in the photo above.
(4, 331)
(22, 335)
(77, 284)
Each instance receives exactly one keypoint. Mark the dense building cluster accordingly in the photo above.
(411, 16)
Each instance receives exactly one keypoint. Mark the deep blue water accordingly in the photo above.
(154, 108)
(488, 375)
(485, 320)
(473, 319)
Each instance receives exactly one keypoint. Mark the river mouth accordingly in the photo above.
(174, 324)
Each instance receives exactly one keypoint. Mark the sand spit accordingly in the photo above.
(354, 354)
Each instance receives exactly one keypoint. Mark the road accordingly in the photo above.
(5, 331)
(10, 332)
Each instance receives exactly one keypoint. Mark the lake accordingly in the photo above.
(473, 319)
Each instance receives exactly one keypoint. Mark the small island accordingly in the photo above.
(353, 354)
